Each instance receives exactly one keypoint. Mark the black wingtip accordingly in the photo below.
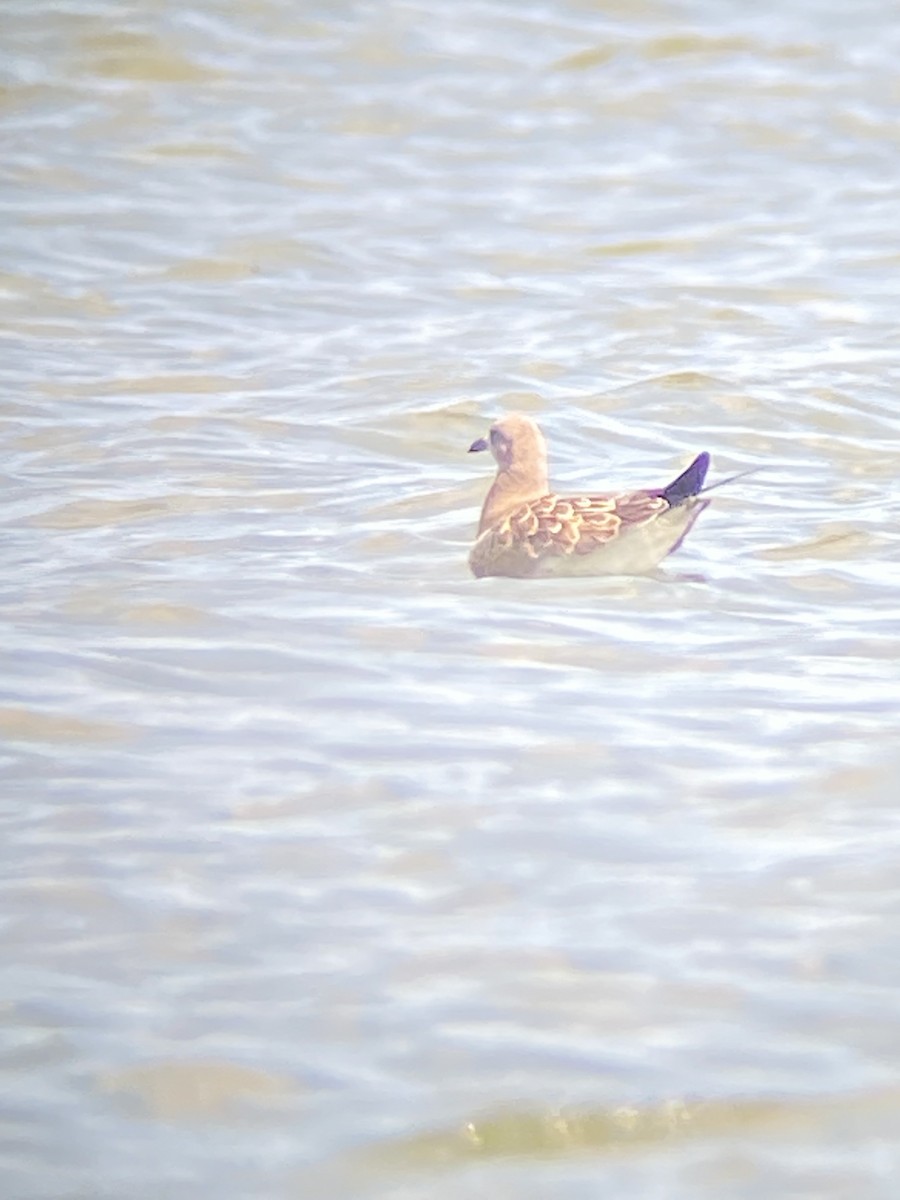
(688, 483)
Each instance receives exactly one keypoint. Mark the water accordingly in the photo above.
(328, 870)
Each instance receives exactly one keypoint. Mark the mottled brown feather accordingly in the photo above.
(557, 525)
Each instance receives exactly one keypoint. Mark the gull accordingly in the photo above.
(526, 531)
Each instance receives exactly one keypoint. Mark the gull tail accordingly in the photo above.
(688, 483)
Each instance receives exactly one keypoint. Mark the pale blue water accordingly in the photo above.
(328, 870)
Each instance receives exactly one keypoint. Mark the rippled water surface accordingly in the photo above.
(328, 871)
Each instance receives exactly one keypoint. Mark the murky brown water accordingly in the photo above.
(328, 871)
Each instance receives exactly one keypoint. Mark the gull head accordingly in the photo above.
(516, 443)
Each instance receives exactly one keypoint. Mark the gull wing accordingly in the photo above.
(561, 526)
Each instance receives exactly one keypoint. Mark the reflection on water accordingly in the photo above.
(627, 1130)
(318, 852)
(192, 1091)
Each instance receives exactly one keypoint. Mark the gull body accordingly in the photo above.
(528, 531)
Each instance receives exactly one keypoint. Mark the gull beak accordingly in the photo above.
(481, 444)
